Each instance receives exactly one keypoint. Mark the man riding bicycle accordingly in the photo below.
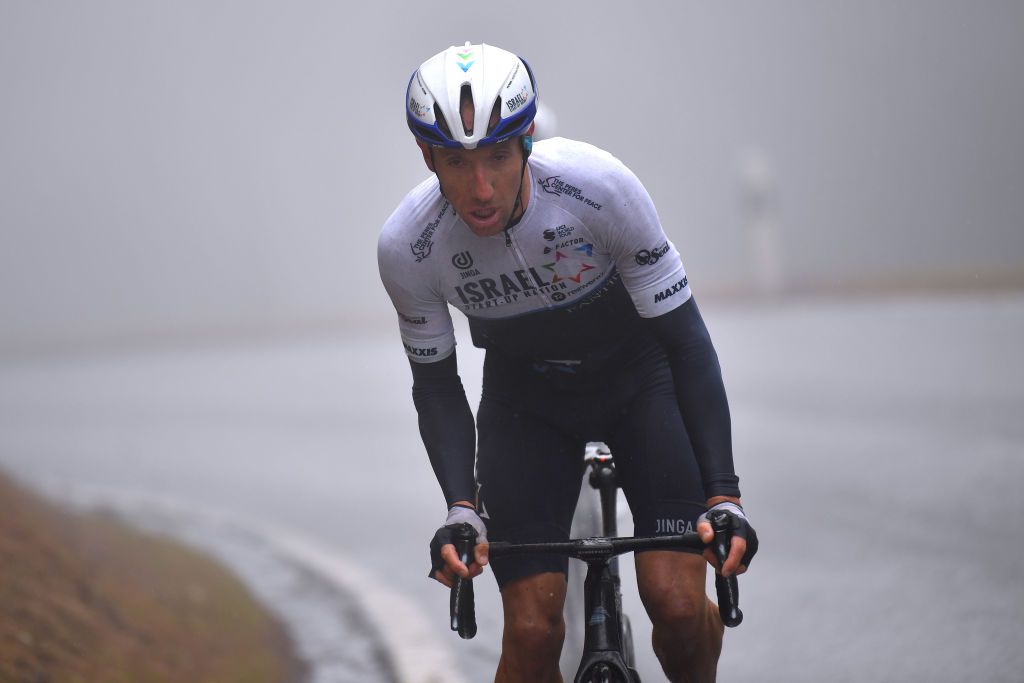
(555, 253)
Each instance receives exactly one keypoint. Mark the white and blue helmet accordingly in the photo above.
(497, 81)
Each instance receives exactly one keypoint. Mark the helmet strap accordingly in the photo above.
(433, 165)
(512, 219)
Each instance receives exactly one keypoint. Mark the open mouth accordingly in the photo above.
(484, 215)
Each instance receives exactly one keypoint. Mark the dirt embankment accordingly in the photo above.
(85, 598)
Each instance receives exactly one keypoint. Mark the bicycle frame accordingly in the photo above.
(605, 640)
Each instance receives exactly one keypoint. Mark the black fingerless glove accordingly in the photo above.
(457, 515)
(739, 526)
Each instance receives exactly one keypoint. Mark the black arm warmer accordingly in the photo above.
(446, 426)
(701, 395)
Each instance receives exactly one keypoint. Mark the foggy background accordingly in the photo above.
(191, 316)
(195, 168)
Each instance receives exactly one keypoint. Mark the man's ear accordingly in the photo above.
(425, 150)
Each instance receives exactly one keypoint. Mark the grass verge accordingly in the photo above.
(86, 598)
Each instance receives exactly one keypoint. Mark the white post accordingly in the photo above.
(759, 207)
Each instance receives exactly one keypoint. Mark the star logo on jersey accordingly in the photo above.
(568, 267)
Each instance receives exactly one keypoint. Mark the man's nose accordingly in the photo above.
(483, 184)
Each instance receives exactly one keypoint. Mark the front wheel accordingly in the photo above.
(628, 653)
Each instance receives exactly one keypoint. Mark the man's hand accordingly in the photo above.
(744, 539)
(445, 564)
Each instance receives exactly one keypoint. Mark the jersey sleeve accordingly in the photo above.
(651, 268)
(424, 320)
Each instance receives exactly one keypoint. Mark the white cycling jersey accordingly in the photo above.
(565, 284)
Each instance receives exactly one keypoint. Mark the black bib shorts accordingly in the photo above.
(533, 424)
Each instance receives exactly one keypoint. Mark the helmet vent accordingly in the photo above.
(466, 108)
(441, 122)
(495, 116)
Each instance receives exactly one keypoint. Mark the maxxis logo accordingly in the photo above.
(421, 352)
(462, 260)
(671, 291)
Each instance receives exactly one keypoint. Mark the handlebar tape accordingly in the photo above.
(727, 587)
(462, 603)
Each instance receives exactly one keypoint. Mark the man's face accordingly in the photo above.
(482, 183)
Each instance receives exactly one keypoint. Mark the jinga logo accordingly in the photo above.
(677, 287)
(673, 526)
(462, 260)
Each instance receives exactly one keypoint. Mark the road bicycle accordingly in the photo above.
(608, 654)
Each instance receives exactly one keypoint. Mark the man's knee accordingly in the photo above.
(683, 617)
(533, 613)
(535, 632)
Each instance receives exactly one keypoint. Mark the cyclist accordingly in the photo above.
(555, 253)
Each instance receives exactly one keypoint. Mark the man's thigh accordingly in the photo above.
(656, 464)
(671, 584)
(529, 474)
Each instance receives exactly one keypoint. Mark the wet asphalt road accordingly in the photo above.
(880, 444)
